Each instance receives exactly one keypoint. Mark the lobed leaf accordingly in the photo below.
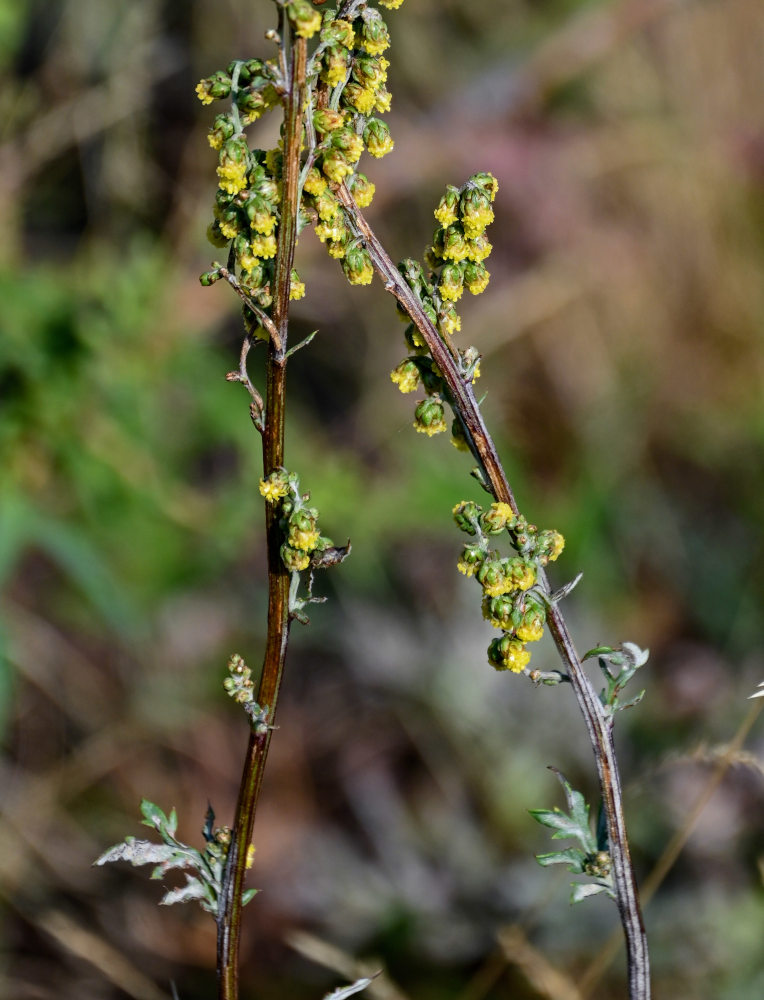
(137, 852)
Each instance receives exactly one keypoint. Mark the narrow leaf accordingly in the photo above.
(572, 857)
(193, 889)
(153, 815)
(348, 991)
(137, 852)
(582, 890)
(248, 896)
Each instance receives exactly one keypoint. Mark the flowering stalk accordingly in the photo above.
(598, 722)
(265, 198)
(279, 619)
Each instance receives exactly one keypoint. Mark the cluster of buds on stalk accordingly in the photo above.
(346, 92)
(303, 542)
(452, 262)
(512, 601)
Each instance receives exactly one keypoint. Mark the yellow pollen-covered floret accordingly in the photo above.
(273, 489)
(203, 94)
(405, 376)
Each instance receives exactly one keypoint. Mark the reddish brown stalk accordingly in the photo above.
(598, 724)
(229, 913)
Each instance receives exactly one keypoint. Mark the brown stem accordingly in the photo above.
(229, 912)
(599, 725)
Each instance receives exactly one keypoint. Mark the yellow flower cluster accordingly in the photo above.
(510, 602)
(406, 376)
(299, 522)
(275, 487)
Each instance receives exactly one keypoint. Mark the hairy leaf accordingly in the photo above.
(137, 852)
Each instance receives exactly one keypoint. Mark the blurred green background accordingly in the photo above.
(623, 369)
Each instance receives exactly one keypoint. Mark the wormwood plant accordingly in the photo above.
(332, 94)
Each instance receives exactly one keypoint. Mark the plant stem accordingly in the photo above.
(229, 913)
(598, 725)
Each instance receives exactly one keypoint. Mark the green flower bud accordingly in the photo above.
(498, 611)
(429, 416)
(361, 99)
(531, 626)
(215, 235)
(520, 573)
(314, 182)
(326, 120)
(304, 18)
(487, 182)
(209, 278)
(251, 103)
(370, 72)
(447, 211)
(507, 653)
(377, 137)
(458, 437)
(357, 266)
(233, 165)
(275, 487)
(406, 376)
(413, 275)
(549, 545)
(362, 190)
(471, 559)
(337, 31)
(249, 71)
(497, 518)
(454, 243)
(371, 32)
(222, 129)
(414, 340)
(349, 143)
(492, 577)
(336, 61)
(466, 515)
(214, 88)
(428, 308)
(478, 249)
(294, 560)
(475, 211)
(335, 165)
(301, 530)
(260, 216)
(451, 283)
(476, 277)
(449, 320)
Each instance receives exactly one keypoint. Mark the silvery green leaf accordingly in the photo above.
(248, 896)
(637, 656)
(178, 859)
(597, 651)
(582, 890)
(557, 820)
(153, 815)
(563, 592)
(137, 852)
(172, 822)
(634, 701)
(193, 889)
(572, 857)
(348, 991)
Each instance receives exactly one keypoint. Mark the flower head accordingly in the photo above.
(406, 376)
(429, 417)
(275, 487)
